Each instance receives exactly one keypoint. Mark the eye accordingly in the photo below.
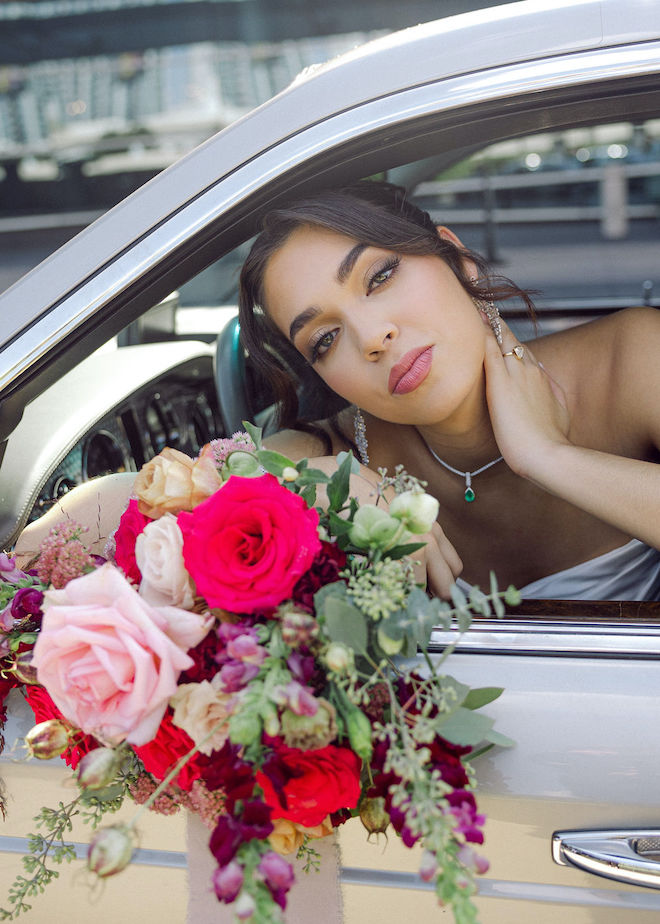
(383, 274)
(322, 344)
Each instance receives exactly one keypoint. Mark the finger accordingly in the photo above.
(511, 346)
(439, 576)
(447, 550)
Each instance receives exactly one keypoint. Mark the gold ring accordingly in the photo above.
(517, 351)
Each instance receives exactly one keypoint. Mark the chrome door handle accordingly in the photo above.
(631, 856)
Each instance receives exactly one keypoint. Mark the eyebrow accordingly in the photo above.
(343, 272)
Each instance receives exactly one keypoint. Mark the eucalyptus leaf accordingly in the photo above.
(421, 615)
(481, 696)
(345, 623)
(466, 727)
(497, 738)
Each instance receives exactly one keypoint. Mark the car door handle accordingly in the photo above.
(630, 856)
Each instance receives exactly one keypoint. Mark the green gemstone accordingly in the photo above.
(469, 495)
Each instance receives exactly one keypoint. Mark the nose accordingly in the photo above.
(376, 337)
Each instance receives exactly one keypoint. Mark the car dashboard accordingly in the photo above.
(112, 413)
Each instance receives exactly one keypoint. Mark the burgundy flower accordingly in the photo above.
(468, 821)
(253, 821)
(131, 524)
(324, 570)
(225, 770)
(225, 840)
(27, 602)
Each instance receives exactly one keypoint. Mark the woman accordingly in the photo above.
(544, 457)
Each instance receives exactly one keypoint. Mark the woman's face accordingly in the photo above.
(394, 334)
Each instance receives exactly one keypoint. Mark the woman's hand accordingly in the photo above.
(527, 407)
(440, 564)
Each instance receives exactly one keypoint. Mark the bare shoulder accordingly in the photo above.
(96, 505)
(296, 444)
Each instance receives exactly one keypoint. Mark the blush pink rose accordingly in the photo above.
(107, 658)
(247, 545)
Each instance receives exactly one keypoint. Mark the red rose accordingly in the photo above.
(44, 709)
(130, 526)
(315, 783)
(161, 754)
(247, 545)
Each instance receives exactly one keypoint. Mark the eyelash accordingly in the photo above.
(388, 269)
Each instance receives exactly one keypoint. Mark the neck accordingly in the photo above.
(465, 441)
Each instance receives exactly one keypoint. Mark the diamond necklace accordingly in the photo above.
(469, 490)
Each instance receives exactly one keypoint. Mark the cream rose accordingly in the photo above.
(206, 479)
(198, 708)
(164, 485)
(159, 556)
(106, 657)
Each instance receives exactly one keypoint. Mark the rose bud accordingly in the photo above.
(417, 510)
(339, 658)
(290, 473)
(22, 668)
(390, 646)
(110, 850)
(373, 814)
(359, 731)
(47, 739)
(98, 768)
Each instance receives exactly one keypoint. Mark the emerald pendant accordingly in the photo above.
(469, 495)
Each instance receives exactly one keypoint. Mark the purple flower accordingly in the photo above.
(8, 570)
(234, 675)
(228, 881)
(301, 666)
(245, 648)
(299, 699)
(225, 840)
(468, 821)
(278, 875)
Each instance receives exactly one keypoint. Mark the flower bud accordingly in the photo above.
(228, 881)
(339, 658)
(310, 732)
(271, 720)
(373, 814)
(372, 526)
(276, 871)
(47, 739)
(98, 768)
(428, 866)
(359, 731)
(244, 728)
(290, 473)
(244, 906)
(110, 850)
(298, 628)
(417, 510)
(22, 668)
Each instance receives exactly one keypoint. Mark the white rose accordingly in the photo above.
(159, 556)
(198, 709)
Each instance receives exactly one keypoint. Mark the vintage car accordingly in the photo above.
(99, 369)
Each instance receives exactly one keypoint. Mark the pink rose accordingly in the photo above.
(247, 545)
(106, 657)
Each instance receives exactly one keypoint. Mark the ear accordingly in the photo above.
(448, 235)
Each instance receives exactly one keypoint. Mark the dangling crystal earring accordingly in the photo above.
(492, 314)
(361, 443)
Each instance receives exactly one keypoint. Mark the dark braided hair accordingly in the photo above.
(374, 213)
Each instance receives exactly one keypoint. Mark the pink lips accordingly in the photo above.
(409, 373)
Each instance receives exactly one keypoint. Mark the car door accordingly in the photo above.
(580, 687)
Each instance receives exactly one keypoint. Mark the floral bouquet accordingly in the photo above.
(251, 657)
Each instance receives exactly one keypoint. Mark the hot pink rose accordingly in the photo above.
(107, 658)
(247, 545)
(131, 524)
